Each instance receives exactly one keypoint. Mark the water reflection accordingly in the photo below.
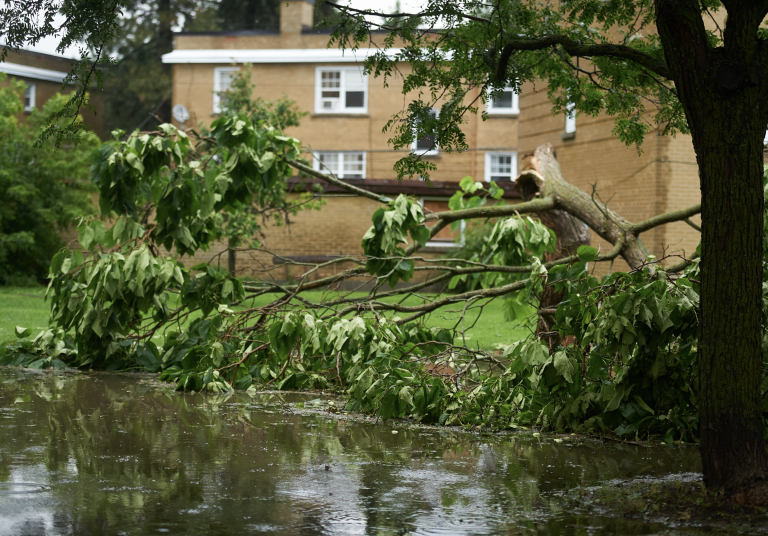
(112, 454)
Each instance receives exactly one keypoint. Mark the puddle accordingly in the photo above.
(119, 455)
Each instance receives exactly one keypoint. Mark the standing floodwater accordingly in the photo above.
(114, 454)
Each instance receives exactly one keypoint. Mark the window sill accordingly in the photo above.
(340, 114)
(565, 136)
(440, 247)
(503, 115)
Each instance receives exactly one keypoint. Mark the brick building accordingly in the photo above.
(43, 74)
(343, 133)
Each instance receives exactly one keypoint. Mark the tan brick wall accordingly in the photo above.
(193, 87)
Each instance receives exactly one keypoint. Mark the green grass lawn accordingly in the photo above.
(484, 328)
(22, 307)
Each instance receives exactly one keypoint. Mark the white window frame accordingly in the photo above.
(431, 152)
(342, 108)
(489, 155)
(443, 243)
(570, 119)
(217, 85)
(32, 88)
(317, 165)
(514, 110)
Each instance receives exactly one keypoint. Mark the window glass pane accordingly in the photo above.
(501, 164)
(570, 119)
(329, 162)
(28, 97)
(501, 167)
(330, 79)
(354, 80)
(355, 99)
(225, 80)
(353, 165)
(504, 101)
(331, 94)
(427, 143)
(353, 162)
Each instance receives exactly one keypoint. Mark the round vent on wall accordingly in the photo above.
(180, 113)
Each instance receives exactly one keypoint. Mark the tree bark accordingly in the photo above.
(723, 92)
(232, 257)
(571, 233)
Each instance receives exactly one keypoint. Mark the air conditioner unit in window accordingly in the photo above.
(330, 104)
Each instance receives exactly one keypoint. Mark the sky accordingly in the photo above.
(49, 44)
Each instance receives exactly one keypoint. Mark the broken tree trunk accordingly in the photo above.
(571, 233)
(543, 178)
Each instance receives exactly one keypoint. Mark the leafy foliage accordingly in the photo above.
(44, 190)
(391, 225)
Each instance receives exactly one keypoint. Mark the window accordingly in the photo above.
(344, 165)
(505, 103)
(426, 145)
(29, 97)
(500, 166)
(445, 237)
(570, 119)
(222, 81)
(341, 90)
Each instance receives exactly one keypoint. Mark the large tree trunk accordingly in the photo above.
(721, 93)
(571, 233)
(730, 416)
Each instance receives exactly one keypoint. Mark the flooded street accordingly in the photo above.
(121, 455)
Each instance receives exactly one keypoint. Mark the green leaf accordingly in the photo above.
(244, 382)
(469, 185)
(217, 353)
(21, 332)
(57, 261)
(227, 290)
(563, 365)
(587, 253)
(420, 234)
(406, 395)
(643, 405)
(85, 236)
